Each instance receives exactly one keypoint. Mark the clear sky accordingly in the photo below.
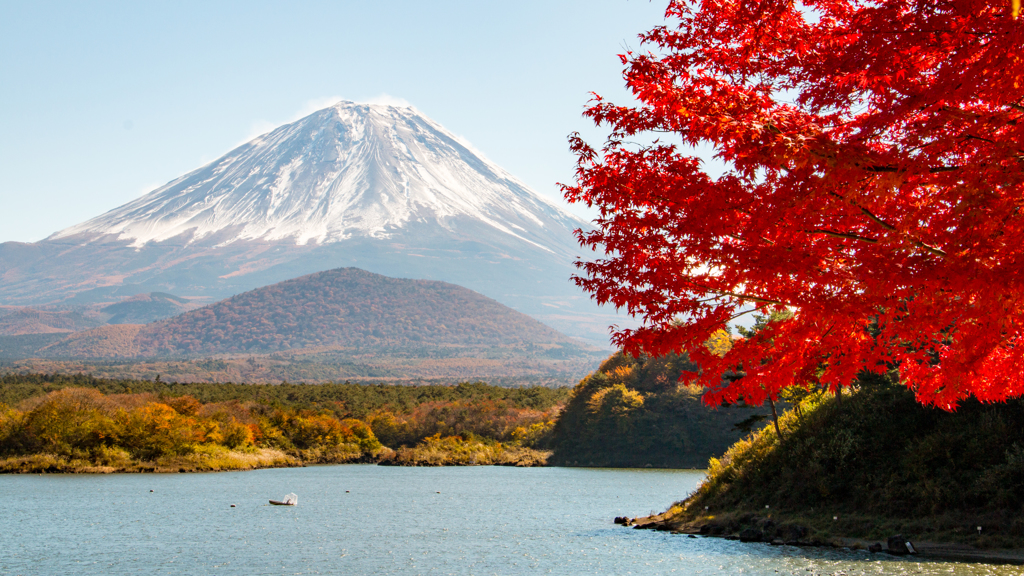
(101, 102)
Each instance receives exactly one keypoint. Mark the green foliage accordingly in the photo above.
(634, 412)
(884, 455)
(761, 321)
(345, 400)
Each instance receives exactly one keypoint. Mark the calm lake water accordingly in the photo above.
(364, 519)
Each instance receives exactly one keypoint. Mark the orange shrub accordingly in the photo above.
(184, 405)
(157, 429)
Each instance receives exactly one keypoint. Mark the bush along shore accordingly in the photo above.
(81, 429)
(870, 469)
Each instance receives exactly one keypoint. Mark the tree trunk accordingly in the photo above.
(775, 418)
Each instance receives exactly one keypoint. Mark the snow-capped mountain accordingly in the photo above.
(378, 187)
(345, 171)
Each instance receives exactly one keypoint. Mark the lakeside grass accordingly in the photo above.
(436, 451)
(212, 459)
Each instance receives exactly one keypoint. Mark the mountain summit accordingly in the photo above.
(378, 187)
(346, 171)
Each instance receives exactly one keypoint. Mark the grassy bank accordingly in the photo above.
(215, 459)
(871, 465)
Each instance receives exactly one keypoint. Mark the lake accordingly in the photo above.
(365, 519)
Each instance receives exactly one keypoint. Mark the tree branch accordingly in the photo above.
(890, 227)
(735, 295)
(843, 235)
(746, 297)
(933, 170)
(876, 219)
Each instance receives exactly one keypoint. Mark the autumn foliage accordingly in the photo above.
(86, 422)
(80, 428)
(632, 412)
(872, 182)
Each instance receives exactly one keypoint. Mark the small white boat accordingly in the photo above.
(289, 500)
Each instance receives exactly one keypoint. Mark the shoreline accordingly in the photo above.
(803, 537)
(798, 535)
(234, 461)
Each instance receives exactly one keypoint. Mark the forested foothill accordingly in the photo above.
(346, 308)
(336, 325)
(870, 464)
(634, 412)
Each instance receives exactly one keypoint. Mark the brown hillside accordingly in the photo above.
(146, 308)
(116, 341)
(343, 308)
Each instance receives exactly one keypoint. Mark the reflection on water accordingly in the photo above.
(385, 520)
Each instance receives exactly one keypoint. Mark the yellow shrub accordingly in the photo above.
(530, 436)
(615, 401)
(69, 419)
(11, 422)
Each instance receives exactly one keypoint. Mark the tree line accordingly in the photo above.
(83, 422)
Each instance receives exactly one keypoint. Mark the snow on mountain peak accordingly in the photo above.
(345, 171)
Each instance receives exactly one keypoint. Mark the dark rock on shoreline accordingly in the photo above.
(900, 546)
(757, 529)
(751, 535)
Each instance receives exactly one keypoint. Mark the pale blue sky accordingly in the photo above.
(102, 102)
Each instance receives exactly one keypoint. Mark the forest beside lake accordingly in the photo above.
(57, 423)
(634, 408)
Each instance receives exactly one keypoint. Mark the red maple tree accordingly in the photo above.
(873, 184)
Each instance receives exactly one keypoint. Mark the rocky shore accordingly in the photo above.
(752, 528)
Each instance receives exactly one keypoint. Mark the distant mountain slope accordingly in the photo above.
(27, 345)
(19, 321)
(146, 308)
(344, 308)
(114, 341)
(383, 188)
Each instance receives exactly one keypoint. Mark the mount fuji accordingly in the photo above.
(378, 187)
